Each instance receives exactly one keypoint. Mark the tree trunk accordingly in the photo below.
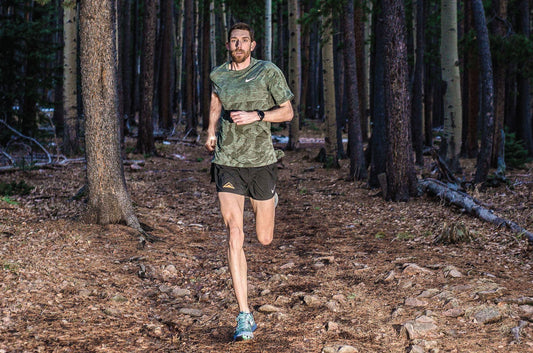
(191, 121)
(268, 29)
(378, 140)
(418, 86)
(127, 65)
(525, 132)
(401, 177)
(109, 201)
(500, 30)
(340, 78)
(360, 59)
(472, 91)
(145, 140)
(71, 144)
(329, 95)
(487, 96)
(295, 70)
(355, 136)
(179, 60)
(213, 33)
(453, 113)
(206, 69)
(165, 91)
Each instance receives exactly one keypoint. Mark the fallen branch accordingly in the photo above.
(31, 139)
(470, 205)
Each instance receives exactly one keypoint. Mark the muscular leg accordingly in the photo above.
(264, 219)
(232, 208)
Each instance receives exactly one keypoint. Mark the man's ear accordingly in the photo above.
(227, 45)
(253, 45)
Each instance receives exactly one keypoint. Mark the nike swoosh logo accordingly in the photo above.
(250, 79)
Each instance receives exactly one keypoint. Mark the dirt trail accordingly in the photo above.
(347, 271)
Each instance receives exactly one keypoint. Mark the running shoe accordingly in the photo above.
(245, 327)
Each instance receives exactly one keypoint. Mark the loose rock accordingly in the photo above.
(312, 301)
(414, 302)
(420, 328)
(413, 269)
(487, 316)
(267, 308)
(191, 312)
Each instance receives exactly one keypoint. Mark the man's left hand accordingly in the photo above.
(241, 117)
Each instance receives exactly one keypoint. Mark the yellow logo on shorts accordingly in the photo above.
(228, 185)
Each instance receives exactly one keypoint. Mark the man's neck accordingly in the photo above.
(240, 66)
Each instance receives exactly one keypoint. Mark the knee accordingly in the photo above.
(265, 238)
(235, 238)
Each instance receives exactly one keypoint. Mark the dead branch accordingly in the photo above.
(29, 138)
(470, 205)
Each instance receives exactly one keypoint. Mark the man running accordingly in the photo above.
(248, 95)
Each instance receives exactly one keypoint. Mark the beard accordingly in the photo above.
(239, 59)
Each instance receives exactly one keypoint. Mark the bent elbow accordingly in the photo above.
(290, 116)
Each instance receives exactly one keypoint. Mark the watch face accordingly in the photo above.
(261, 114)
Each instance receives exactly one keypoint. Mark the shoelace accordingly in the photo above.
(243, 322)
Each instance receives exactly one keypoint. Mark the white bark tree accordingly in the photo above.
(331, 159)
(268, 30)
(70, 87)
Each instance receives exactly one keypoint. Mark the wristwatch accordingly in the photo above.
(261, 114)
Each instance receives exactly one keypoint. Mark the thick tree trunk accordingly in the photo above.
(340, 78)
(295, 69)
(525, 132)
(360, 59)
(417, 117)
(165, 90)
(487, 96)
(378, 141)
(355, 137)
(453, 113)
(127, 65)
(401, 177)
(145, 140)
(109, 201)
(71, 144)
(499, 28)
(329, 96)
(472, 91)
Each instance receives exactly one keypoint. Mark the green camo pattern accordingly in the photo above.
(260, 86)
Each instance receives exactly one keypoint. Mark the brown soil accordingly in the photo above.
(338, 269)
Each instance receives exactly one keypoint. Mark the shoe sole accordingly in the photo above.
(246, 336)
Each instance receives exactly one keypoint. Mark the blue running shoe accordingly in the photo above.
(245, 327)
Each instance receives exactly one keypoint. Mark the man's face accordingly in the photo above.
(240, 45)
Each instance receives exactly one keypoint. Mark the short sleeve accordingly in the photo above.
(278, 87)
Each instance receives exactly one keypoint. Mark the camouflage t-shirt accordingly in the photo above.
(260, 86)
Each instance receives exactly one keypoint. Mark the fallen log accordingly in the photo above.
(470, 205)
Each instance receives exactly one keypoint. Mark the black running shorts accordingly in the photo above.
(258, 183)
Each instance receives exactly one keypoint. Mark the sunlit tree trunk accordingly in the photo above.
(329, 95)
(268, 29)
(355, 137)
(295, 70)
(453, 111)
(70, 86)
(109, 201)
(145, 140)
(487, 94)
(401, 177)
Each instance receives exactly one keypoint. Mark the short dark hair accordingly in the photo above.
(243, 26)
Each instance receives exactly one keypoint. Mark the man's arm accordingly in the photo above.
(214, 114)
(279, 114)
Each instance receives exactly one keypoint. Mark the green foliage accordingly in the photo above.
(404, 236)
(380, 235)
(516, 154)
(14, 188)
(8, 200)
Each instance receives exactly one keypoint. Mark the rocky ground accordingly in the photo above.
(347, 271)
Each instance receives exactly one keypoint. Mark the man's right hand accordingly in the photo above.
(211, 142)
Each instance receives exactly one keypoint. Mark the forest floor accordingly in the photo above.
(346, 272)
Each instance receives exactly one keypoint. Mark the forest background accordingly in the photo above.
(414, 95)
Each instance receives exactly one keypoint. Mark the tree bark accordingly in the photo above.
(109, 201)
(268, 29)
(165, 91)
(355, 137)
(71, 144)
(472, 91)
(418, 86)
(487, 96)
(206, 69)
(499, 29)
(378, 140)
(401, 177)
(179, 60)
(525, 132)
(145, 140)
(127, 65)
(295, 70)
(453, 113)
(191, 121)
(329, 95)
